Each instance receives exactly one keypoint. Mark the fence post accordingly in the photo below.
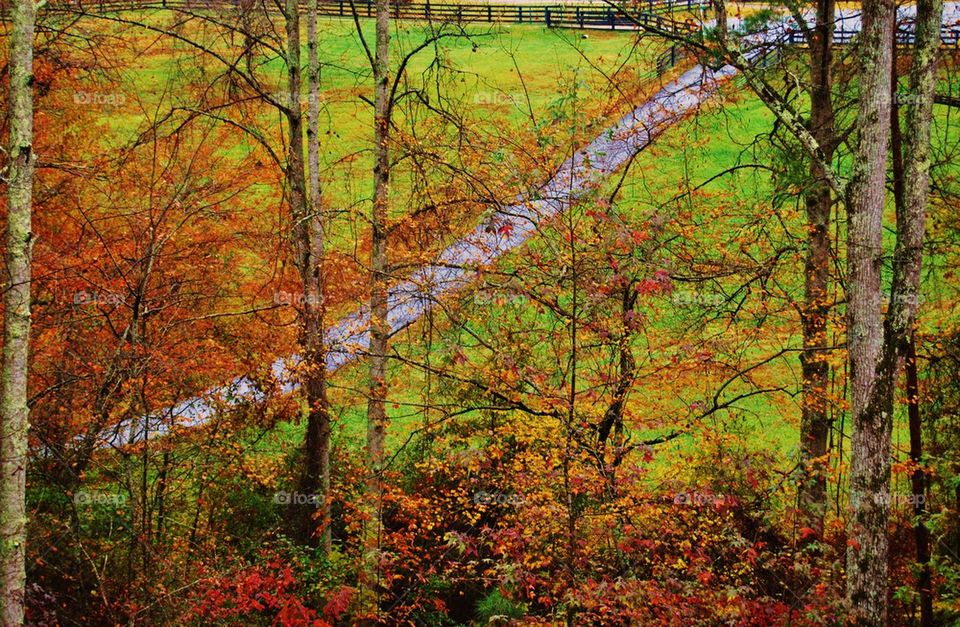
(369, 8)
(610, 18)
(546, 15)
(489, 13)
(520, 14)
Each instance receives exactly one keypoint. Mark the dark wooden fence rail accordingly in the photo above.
(655, 13)
(649, 12)
(593, 17)
(582, 16)
(949, 37)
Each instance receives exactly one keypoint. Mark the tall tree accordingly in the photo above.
(253, 23)
(16, 315)
(316, 470)
(379, 326)
(308, 245)
(870, 464)
(818, 201)
(918, 478)
(870, 438)
(877, 343)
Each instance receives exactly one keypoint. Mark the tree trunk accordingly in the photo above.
(918, 485)
(815, 422)
(379, 327)
(874, 387)
(316, 476)
(870, 438)
(626, 376)
(905, 290)
(308, 246)
(918, 478)
(16, 315)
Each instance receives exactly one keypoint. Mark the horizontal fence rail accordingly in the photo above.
(637, 15)
(593, 17)
(586, 16)
(906, 37)
(765, 47)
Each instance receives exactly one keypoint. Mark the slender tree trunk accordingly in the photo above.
(308, 245)
(815, 422)
(159, 499)
(568, 452)
(626, 375)
(316, 471)
(918, 478)
(870, 439)
(908, 257)
(918, 485)
(16, 315)
(379, 326)
(874, 387)
(295, 166)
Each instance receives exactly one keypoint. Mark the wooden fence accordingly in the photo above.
(514, 13)
(579, 16)
(949, 37)
(647, 12)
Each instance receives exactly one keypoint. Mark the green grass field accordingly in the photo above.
(695, 151)
(504, 84)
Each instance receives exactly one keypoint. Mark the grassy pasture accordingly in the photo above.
(514, 98)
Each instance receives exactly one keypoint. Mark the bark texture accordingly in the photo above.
(870, 437)
(379, 327)
(918, 478)
(815, 421)
(318, 440)
(308, 245)
(908, 256)
(16, 315)
(877, 343)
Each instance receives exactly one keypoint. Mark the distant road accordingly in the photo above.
(458, 265)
